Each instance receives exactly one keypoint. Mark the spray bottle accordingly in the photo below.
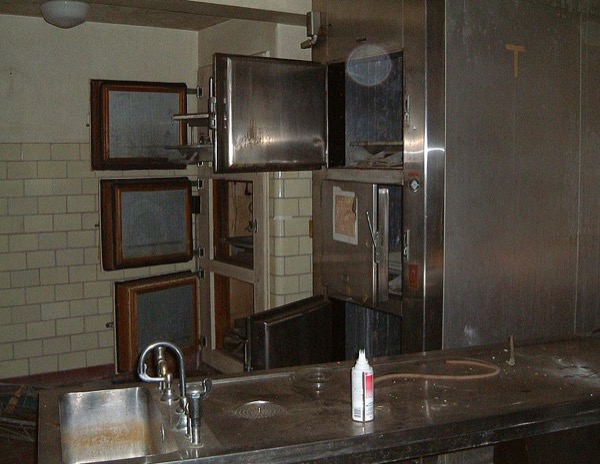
(362, 389)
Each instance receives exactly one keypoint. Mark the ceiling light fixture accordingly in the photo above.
(64, 13)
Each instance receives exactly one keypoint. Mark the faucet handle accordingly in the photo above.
(195, 394)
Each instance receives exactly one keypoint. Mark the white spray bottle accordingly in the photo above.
(362, 389)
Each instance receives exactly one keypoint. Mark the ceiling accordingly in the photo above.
(171, 14)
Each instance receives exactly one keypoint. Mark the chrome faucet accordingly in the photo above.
(166, 378)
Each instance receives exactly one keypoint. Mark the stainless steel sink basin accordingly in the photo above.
(105, 425)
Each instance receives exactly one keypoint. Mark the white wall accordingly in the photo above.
(45, 72)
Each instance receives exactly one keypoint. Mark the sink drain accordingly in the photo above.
(259, 410)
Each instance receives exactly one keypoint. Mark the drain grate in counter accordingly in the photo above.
(259, 410)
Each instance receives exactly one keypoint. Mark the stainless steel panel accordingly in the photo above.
(511, 172)
(295, 334)
(352, 23)
(588, 288)
(270, 114)
(416, 335)
(349, 269)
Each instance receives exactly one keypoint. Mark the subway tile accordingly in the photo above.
(68, 292)
(90, 221)
(28, 349)
(289, 175)
(298, 264)
(52, 169)
(13, 332)
(67, 222)
(84, 307)
(35, 151)
(57, 345)
(5, 280)
(79, 169)
(305, 174)
(296, 227)
(276, 300)
(97, 289)
(70, 326)
(91, 256)
(90, 186)
(37, 188)
(6, 351)
(10, 151)
(305, 207)
(81, 239)
(277, 266)
(100, 357)
(55, 275)
(12, 297)
(25, 313)
(295, 188)
(52, 240)
(96, 323)
(25, 278)
(12, 225)
(276, 227)
(84, 342)
(304, 246)
(64, 151)
(38, 223)
(40, 259)
(55, 310)
(52, 205)
(276, 188)
(85, 273)
(5, 315)
(70, 361)
(21, 170)
(285, 246)
(85, 153)
(12, 188)
(13, 261)
(3, 170)
(22, 242)
(43, 329)
(81, 203)
(14, 368)
(43, 364)
(284, 285)
(305, 283)
(66, 187)
(285, 207)
(70, 257)
(41, 294)
(106, 339)
(3, 207)
(22, 206)
(105, 305)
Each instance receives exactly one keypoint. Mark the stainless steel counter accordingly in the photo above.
(303, 414)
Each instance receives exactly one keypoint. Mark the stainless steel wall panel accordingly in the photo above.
(511, 172)
(588, 289)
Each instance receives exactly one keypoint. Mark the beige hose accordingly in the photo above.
(494, 370)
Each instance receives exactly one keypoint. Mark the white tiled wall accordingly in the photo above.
(55, 298)
(290, 206)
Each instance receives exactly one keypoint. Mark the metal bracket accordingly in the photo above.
(313, 24)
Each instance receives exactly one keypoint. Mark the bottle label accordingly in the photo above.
(362, 397)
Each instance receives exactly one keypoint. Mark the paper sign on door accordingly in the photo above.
(345, 218)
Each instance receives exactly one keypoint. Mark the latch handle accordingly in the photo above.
(375, 238)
